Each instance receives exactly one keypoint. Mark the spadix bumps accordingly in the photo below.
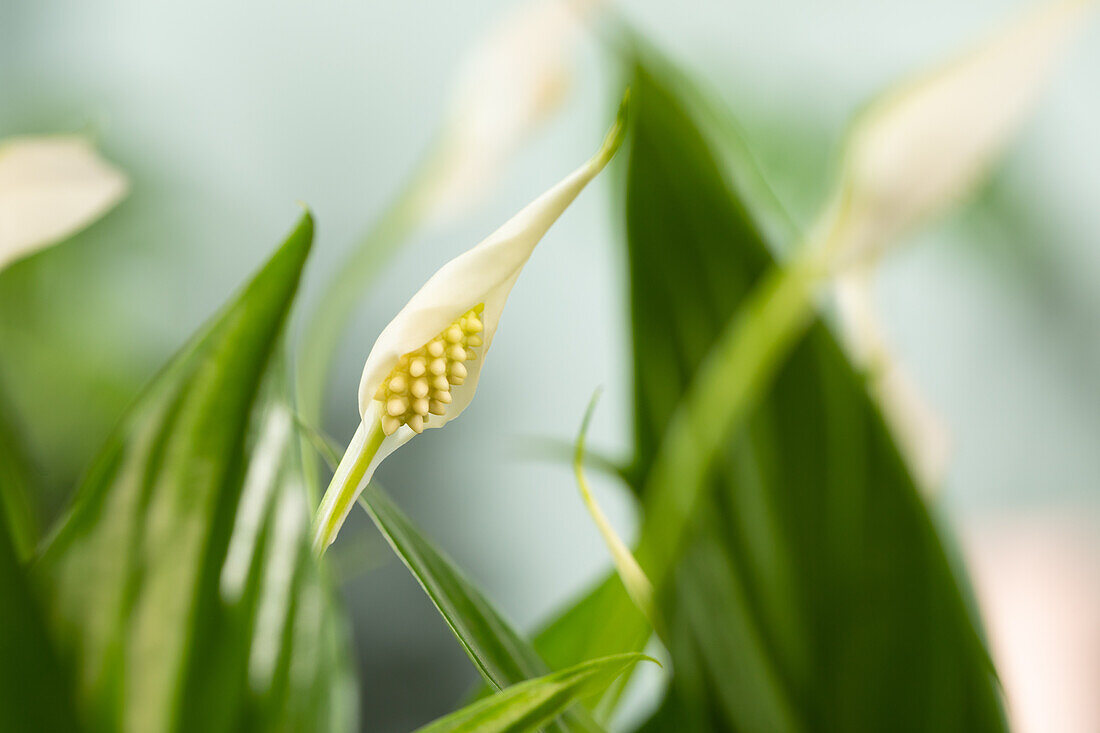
(420, 385)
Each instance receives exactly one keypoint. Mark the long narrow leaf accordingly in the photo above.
(136, 579)
(35, 687)
(528, 705)
(500, 654)
(812, 589)
(15, 488)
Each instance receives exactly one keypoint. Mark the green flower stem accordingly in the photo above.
(344, 487)
(342, 294)
(726, 388)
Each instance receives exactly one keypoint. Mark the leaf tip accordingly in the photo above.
(615, 136)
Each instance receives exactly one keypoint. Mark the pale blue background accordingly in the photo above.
(227, 113)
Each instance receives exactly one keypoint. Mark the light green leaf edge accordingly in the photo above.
(499, 653)
(527, 705)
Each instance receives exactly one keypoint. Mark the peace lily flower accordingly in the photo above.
(424, 367)
(917, 150)
(512, 80)
(508, 84)
(51, 186)
(926, 144)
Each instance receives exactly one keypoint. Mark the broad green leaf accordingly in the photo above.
(135, 578)
(35, 688)
(15, 488)
(813, 591)
(527, 705)
(500, 654)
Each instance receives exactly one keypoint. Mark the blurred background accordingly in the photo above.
(225, 115)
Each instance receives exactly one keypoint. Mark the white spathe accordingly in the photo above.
(514, 79)
(51, 186)
(913, 153)
(483, 276)
(925, 144)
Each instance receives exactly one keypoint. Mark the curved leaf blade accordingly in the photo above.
(35, 688)
(527, 705)
(15, 488)
(132, 577)
(501, 655)
(813, 590)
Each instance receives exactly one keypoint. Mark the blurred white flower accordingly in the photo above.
(914, 152)
(925, 144)
(51, 186)
(512, 81)
(922, 435)
(424, 367)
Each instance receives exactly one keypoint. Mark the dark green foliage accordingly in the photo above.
(16, 486)
(35, 689)
(814, 592)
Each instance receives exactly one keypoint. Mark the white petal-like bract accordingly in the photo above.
(476, 282)
(50, 187)
(927, 143)
(483, 275)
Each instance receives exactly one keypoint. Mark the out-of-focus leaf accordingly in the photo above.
(527, 705)
(35, 688)
(601, 622)
(680, 230)
(814, 591)
(500, 654)
(276, 616)
(298, 671)
(162, 634)
(15, 488)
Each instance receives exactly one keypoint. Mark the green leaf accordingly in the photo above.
(500, 654)
(527, 705)
(813, 590)
(282, 639)
(135, 577)
(15, 488)
(601, 622)
(35, 688)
